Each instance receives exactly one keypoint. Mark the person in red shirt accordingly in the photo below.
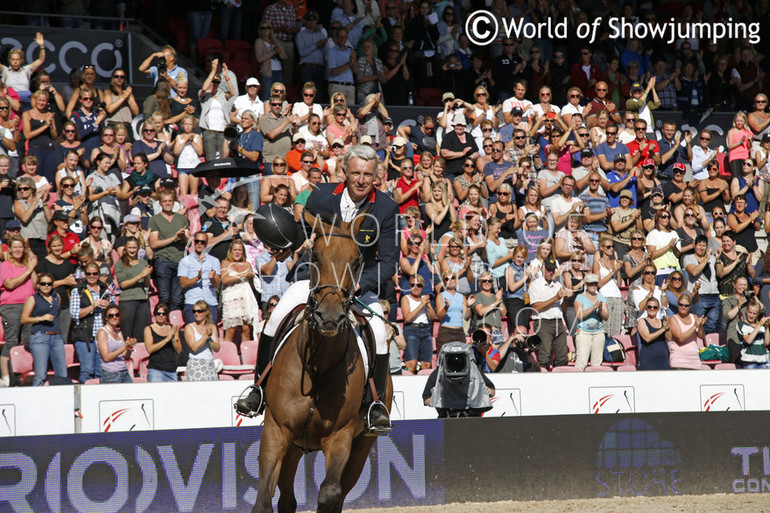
(586, 73)
(294, 156)
(601, 101)
(407, 191)
(642, 148)
(61, 222)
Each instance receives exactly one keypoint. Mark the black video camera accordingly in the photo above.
(161, 65)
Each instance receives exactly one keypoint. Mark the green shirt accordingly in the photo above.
(138, 292)
(175, 250)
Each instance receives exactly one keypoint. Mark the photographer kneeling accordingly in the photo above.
(457, 388)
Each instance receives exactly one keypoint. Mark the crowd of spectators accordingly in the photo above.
(522, 205)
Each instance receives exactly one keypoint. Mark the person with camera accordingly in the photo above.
(165, 67)
(546, 295)
(455, 388)
(755, 336)
(486, 356)
(216, 103)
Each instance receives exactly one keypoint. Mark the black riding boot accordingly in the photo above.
(377, 417)
(254, 403)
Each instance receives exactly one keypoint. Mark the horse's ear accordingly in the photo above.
(316, 223)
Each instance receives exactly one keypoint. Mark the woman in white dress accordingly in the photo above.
(239, 307)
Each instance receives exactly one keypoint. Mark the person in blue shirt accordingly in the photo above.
(621, 180)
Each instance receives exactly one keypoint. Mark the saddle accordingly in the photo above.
(357, 320)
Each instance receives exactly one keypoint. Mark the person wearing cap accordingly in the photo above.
(142, 206)
(619, 180)
(294, 156)
(516, 105)
(626, 219)
(456, 146)
(640, 103)
(311, 41)
(249, 101)
(671, 151)
(395, 155)
(673, 190)
(545, 296)
(590, 312)
(422, 137)
(61, 221)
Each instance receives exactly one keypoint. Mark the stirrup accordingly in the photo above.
(244, 411)
(372, 430)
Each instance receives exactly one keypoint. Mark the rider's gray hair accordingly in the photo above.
(361, 152)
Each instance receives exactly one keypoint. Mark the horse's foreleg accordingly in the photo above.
(336, 452)
(359, 452)
(272, 449)
(287, 503)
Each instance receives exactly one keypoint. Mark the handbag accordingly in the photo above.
(614, 352)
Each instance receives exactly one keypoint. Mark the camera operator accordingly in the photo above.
(456, 388)
(165, 67)
(42, 81)
(485, 355)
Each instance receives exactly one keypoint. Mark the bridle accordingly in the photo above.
(346, 294)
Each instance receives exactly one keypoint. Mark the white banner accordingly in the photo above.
(150, 406)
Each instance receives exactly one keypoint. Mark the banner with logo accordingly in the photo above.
(202, 470)
(68, 49)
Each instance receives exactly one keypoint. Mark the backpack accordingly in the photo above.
(614, 352)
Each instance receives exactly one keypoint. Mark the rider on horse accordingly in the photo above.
(379, 250)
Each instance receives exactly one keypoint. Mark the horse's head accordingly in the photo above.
(334, 271)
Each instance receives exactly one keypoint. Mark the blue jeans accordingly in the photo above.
(419, 343)
(189, 318)
(710, 306)
(755, 365)
(116, 377)
(199, 23)
(90, 360)
(43, 347)
(169, 289)
(159, 376)
(229, 22)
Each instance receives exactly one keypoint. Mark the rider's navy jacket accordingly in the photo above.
(376, 238)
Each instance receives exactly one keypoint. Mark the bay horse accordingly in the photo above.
(316, 390)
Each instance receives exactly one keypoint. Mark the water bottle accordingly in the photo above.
(410, 101)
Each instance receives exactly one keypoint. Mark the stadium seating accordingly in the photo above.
(22, 363)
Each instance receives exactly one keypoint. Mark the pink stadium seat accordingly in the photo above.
(232, 45)
(424, 372)
(249, 352)
(626, 368)
(712, 339)
(22, 362)
(598, 368)
(725, 366)
(175, 318)
(703, 366)
(228, 353)
(72, 366)
(566, 368)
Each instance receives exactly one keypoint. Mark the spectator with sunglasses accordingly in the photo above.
(418, 324)
(42, 311)
(88, 302)
(119, 99)
(156, 150)
(89, 119)
(114, 349)
(199, 276)
(161, 339)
